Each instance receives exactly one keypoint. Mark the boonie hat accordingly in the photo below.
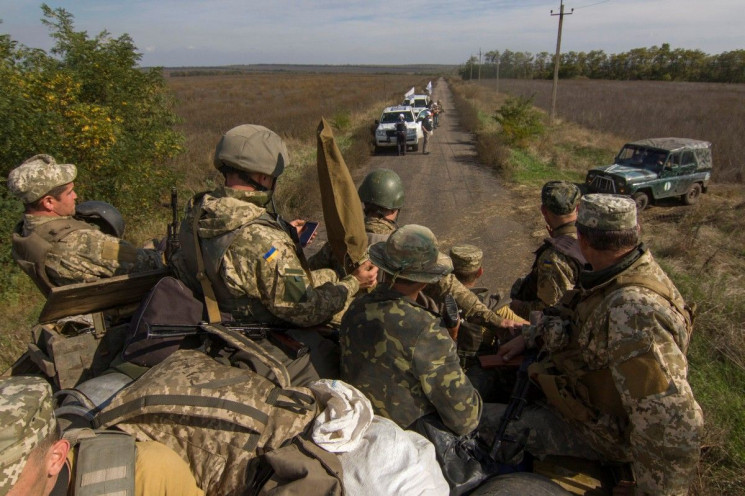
(466, 258)
(607, 212)
(411, 253)
(560, 197)
(37, 176)
(26, 418)
(252, 148)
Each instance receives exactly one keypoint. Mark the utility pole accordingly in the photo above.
(471, 76)
(561, 15)
(498, 73)
(479, 64)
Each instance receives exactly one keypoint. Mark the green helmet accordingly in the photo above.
(252, 148)
(382, 187)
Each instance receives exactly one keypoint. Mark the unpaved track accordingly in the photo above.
(462, 201)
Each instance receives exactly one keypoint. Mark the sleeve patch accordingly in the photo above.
(121, 252)
(644, 376)
(271, 254)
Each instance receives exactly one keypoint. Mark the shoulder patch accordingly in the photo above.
(271, 254)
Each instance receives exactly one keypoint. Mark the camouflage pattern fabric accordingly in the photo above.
(87, 255)
(402, 358)
(379, 225)
(261, 267)
(37, 176)
(26, 418)
(625, 373)
(467, 259)
(555, 273)
(607, 212)
(560, 197)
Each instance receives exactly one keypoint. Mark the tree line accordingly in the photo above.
(651, 64)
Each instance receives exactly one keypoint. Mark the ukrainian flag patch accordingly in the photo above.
(271, 254)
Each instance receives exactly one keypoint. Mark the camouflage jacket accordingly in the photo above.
(553, 274)
(379, 225)
(623, 371)
(261, 267)
(86, 255)
(402, 358)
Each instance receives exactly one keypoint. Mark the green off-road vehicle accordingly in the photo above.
(655, 168)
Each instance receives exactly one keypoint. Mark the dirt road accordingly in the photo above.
(461, 201)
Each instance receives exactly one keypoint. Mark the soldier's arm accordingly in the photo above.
(444, 382)
(471, 307)
(649, 372)
(555, 276)
(267, 267)
(89, 254)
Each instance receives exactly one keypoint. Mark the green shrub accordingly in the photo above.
(519, 120)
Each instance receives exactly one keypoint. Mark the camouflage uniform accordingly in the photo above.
(558, 261)
(618, 374)
(400, 355)
(75, 251)
(261, 267)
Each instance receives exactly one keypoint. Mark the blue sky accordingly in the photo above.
(176, 33)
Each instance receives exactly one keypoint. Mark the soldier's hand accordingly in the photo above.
(512, 348)
(513, 326)
(366, 274)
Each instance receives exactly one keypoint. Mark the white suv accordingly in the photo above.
(417, 102)
(385, 132)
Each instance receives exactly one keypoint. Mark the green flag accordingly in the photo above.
(342, 211)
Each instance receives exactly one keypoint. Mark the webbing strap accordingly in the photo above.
(213, 309)
(146, 405)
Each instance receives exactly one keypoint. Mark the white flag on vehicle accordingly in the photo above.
(429, 87)
(409, 93)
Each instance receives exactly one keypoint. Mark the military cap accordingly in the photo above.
(560, 197)
(252, 148)
(411, 253)
(37, 176)
(26, 418)
(607, 212)
(466, 258)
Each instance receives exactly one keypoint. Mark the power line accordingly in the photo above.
(590, 5)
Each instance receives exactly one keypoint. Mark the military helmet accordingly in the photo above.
(104, 215)
(411, 253)
(382, 187)
(252, 148)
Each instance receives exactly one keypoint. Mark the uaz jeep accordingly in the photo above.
(655, 168)
(385, 131)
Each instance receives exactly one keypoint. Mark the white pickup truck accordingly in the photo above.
(385, 131)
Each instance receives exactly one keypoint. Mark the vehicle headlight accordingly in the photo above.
(380, 132)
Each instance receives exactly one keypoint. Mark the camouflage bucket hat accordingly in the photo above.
(252, 148)
(411, 253)
(26, 418)
(37, 176)
(466, 258)
(607, 212)
(560, 197)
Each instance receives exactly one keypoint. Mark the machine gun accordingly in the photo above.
(505, 448)
(172, 242)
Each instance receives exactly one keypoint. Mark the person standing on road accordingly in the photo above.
(401, 134)
(615, 370)
(558, 261)
(427, 130)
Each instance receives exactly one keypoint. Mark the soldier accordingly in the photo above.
(398, 353)
(36, 461)
(53, 247)
(382, 194)
(617, 374)
(559, 260)
(251, 256)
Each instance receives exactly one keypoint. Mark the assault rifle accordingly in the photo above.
(505, 448)
(277, 335)
(172, 243)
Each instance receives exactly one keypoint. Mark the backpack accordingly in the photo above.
(218, 417)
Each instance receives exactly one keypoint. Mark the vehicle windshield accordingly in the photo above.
(420, 103)
(641, 157)
(392, 117)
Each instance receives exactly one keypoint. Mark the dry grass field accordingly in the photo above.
(634, 110)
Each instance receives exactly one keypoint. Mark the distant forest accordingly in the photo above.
(650, 64)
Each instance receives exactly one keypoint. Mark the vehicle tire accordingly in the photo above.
(641, 199)
(377, 150)
(415, 147)
(693, 194)
(518, 484)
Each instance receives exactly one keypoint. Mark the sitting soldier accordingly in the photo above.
(53, 247)
(398, 353)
